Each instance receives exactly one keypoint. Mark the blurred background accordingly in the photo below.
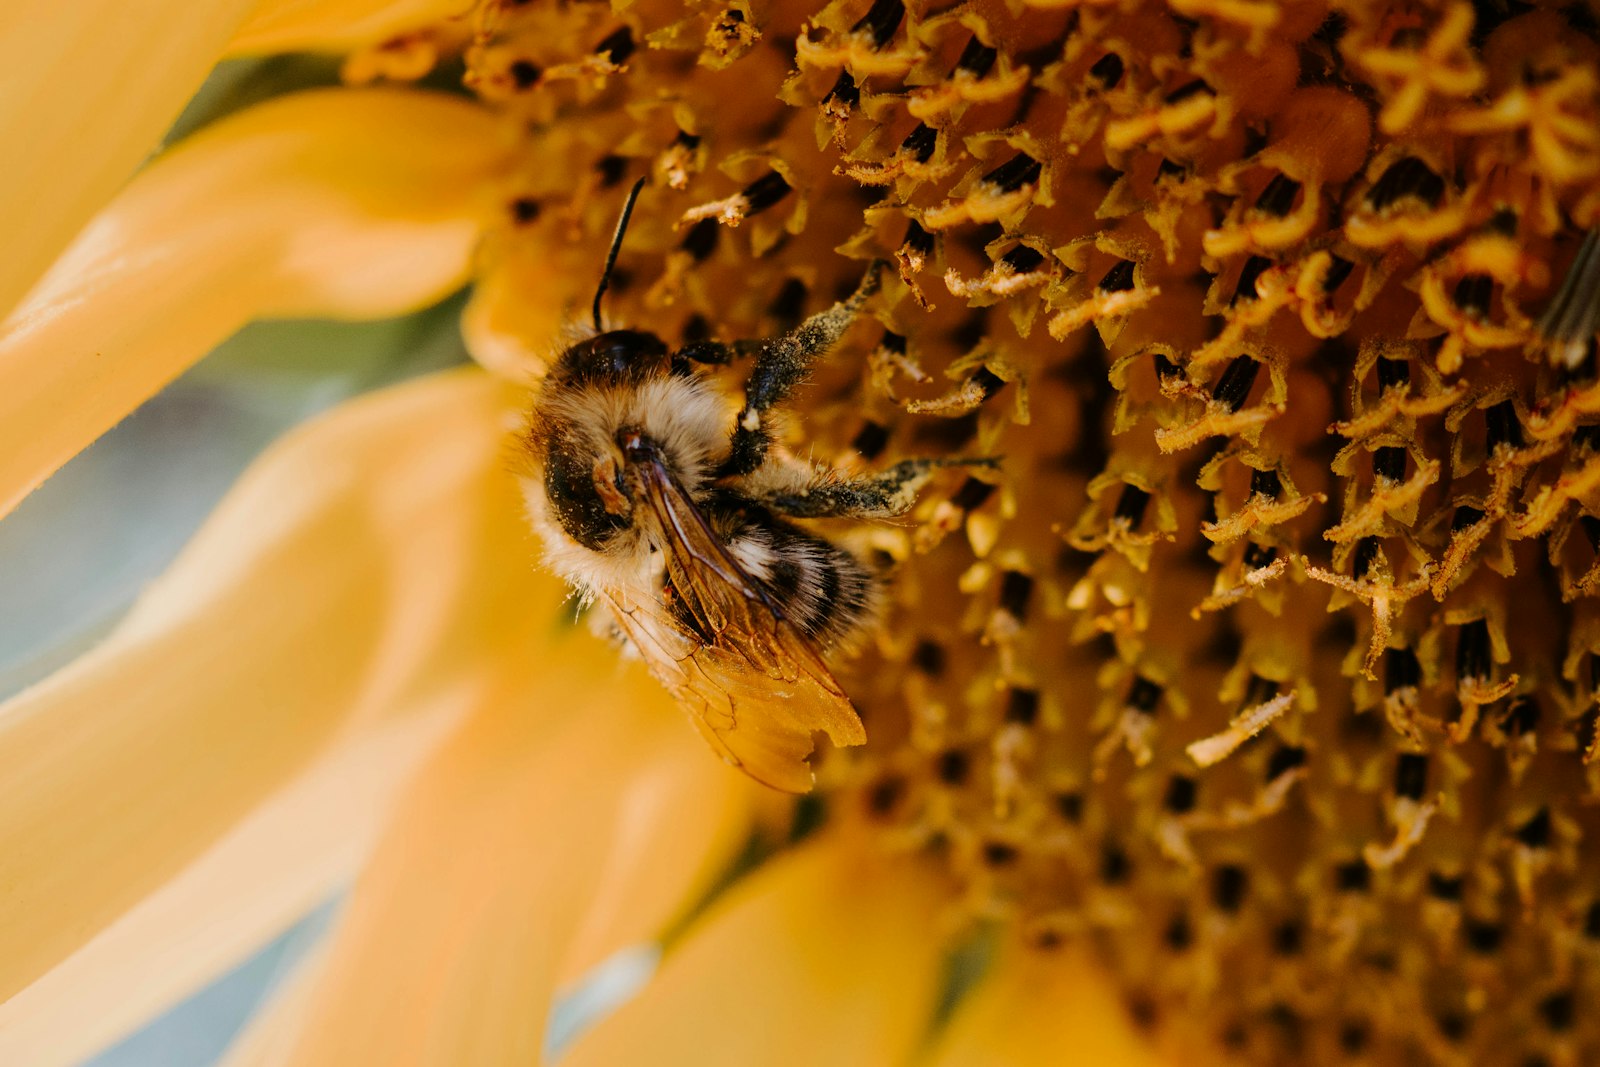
(77, 552)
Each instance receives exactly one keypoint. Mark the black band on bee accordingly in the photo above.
(617, 357)
(824, 590)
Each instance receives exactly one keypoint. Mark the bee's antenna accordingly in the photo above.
(616, 246)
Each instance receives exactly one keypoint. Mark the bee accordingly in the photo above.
(673, 511)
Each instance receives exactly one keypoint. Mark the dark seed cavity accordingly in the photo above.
(1131, 505)
(1408, 177)
(1233, 388)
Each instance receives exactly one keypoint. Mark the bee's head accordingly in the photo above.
(592, 493)
(587, 492)
(616, 357)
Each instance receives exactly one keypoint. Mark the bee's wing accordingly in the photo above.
(756, 686)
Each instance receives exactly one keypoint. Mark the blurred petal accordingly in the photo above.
(448, 952)
(292, 853)
(336, 203)
(86, 90)
(1038, 1007)
(339, 25)
(499, 318)
(662, 860)
(265, 1038)
(825, 955)
(355, 562)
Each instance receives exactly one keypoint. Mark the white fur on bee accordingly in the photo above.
(685, 416)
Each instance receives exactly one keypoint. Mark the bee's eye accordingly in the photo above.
(616, 356)
(575, 501)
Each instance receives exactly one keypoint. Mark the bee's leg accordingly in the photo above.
(877, 496)
(715, 353)
(781, 364)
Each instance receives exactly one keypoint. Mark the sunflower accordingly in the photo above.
(1228, 716)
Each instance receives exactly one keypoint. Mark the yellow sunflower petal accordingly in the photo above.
(662, 857)
(278, 863)
(500, 321)
(338, 25)
(1038, 1007)
(339, 203)
(450, 947)
(324, 588)
(86, 91)
(827, 955)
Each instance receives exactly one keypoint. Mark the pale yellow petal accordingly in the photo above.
(1045, 1007)
(679, 825)
(87, 88)
(827, 955)
(503, 328)
(449, 949)
(333, 579)
(337, 203)
(283, 859)
(339, 25)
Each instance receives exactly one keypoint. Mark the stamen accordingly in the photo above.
(1247, 724)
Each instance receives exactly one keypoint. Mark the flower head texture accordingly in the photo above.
(1230, 693)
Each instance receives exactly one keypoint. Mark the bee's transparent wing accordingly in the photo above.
(756, 686)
